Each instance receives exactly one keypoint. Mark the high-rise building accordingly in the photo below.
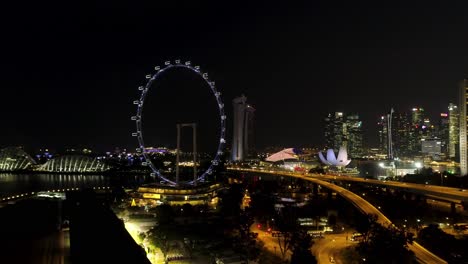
(334, 134)
(342, 130)
(418, 130)
(431, 147)
(417, 116)
(242, 142)
(463, 97)
(353, 126)
(443, 133)
(382, 130)
(454, 135)
(400, 134)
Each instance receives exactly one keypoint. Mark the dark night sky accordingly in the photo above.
(70, 70)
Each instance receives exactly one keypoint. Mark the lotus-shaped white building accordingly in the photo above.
(331, 160)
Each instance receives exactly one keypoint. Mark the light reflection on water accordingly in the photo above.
(12, 183)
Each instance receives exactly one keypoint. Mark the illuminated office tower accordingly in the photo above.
(419, 129)
(335, 131)
(463, 123)
(400, 127)
(344, 131)
(454, 135)
(443, 132)
(242, 142)
(354, 135)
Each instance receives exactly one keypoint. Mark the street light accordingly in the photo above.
(418, 166)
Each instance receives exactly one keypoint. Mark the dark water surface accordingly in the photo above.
(17, 184)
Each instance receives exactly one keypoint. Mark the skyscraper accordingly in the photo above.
(463, 97)
(443, 133)
(418, 130)
(242, 142)
(354, 135)
(342, 130)
(454, 135)
(400, 134)
(334, 135)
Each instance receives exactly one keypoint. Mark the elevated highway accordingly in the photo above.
(448, 194)
(422, 254)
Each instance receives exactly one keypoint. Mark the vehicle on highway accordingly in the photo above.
(332, 260)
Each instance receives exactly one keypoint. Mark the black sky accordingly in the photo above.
(70, 69)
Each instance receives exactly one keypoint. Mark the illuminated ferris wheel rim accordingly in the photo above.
(151, 78)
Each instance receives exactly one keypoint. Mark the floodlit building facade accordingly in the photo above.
(463, 97)
(400, 127)
(454, 135)
(344, 130)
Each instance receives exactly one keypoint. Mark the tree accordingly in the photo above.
(286, 223)
(443, 244)
(246, 240)
(262, 207)
(332, 220)
(301, 243)
(231, 200)
(159, 239)
(384, 244)
(187, 210)
(164, 214)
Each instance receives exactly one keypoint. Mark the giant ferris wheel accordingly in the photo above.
(152, 79)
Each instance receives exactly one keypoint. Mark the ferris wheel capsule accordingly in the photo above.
(148, 76)
(140, 88)
(177, 61)
(134, 118)
(167, 63)
(197, 68)
(187, 63)
(157, 68)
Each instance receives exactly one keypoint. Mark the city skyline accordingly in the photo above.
(234, 132)
(75, 86)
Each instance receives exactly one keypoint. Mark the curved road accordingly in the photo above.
(329, 247)
(440, 191)
(422, 255)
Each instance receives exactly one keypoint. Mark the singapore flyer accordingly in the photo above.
(151, 81)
